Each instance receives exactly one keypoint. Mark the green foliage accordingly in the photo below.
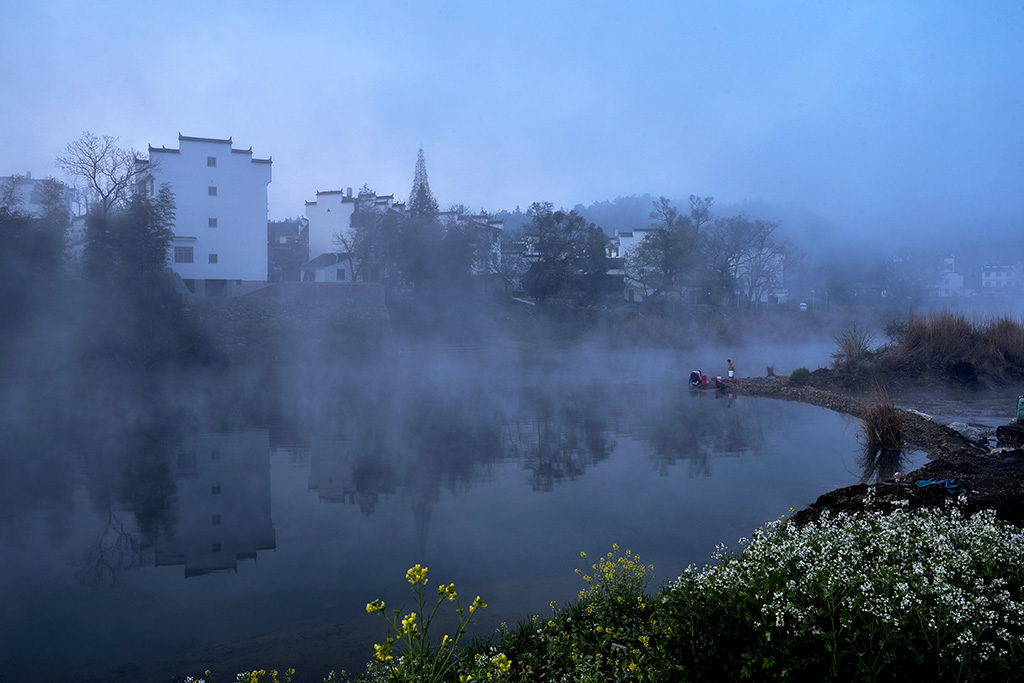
(666, 256)
(800, 376)
(421, 200)
(130, 246)
(605, 635)
(571, 261)
(924, 595)
(419, 658)
(902, 595)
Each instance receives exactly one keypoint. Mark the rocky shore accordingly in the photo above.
(985, 477)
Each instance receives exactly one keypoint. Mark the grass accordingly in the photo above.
(957, 347)
(902, 595)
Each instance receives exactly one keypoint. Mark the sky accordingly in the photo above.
(880, 116)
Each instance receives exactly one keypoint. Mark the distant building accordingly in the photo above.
(288, 249)
(29, 191)
(950, 283)
(331, 235)
(220, 228)
(1002, 279)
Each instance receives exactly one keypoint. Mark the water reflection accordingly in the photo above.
(148, 489)
(222, 503)
(882, 464)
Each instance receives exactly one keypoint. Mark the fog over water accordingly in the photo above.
(149, 521)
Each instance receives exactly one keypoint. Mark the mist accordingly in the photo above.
(274, 460)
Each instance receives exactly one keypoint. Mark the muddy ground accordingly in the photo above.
(986, 475)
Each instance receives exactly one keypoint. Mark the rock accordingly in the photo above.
(968, 432)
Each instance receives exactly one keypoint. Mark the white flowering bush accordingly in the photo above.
(929, 595)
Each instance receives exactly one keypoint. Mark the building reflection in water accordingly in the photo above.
(223, 503)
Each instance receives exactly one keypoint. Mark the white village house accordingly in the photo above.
(329, 219)
(220, 227)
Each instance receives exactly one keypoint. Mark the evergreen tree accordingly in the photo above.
(422, 203)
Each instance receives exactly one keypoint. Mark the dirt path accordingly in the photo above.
(987, 478)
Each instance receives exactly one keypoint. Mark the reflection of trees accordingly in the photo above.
(114, 550)
(681, 425)
(112, 436)
(559, 432)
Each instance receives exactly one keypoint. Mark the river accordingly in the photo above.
(153, 527)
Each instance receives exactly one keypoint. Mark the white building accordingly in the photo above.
(220, 226)
(329, 215)
(950, 283)
(30, 193)
(1001, 279)
(330, 233)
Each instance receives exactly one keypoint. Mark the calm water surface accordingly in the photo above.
(146, 534)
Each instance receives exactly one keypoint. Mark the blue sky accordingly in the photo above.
(902, 116)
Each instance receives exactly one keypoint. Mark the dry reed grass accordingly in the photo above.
(882, 426)
(951, 343)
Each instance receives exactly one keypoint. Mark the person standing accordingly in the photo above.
(732, 371)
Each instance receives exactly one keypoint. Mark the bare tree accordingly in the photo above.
(106, 172)
(744, 256)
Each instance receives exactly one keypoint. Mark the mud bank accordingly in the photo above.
(986, 477)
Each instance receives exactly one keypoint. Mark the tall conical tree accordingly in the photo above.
(421, 201)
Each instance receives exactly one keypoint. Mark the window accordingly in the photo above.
(341, 274)
(213, 258)
(215, 547)
(216, 520)
(211, 161)
(183, 255)
(212, 191)
(215, 490)
(211, 222)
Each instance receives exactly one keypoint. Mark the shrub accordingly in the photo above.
(853, 345)
(604, 636)
(800, 376)
(881, 432)
(922, 595)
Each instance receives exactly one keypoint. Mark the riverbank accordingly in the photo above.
(985, 477)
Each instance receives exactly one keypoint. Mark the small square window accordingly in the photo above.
(213, 258)
(211, 222)
(216, 520)
(215, 490)
(215, 454)
(341, 274)
(215, 547)
(212, 191)
(211, 161)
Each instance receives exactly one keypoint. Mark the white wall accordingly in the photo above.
(239, 239)
(328, 216)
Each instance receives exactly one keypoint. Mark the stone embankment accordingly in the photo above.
(985, 477)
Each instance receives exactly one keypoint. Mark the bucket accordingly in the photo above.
(1020, 408)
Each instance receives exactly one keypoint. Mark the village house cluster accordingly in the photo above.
(224, 245)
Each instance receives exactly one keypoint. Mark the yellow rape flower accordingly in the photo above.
(416, 574)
